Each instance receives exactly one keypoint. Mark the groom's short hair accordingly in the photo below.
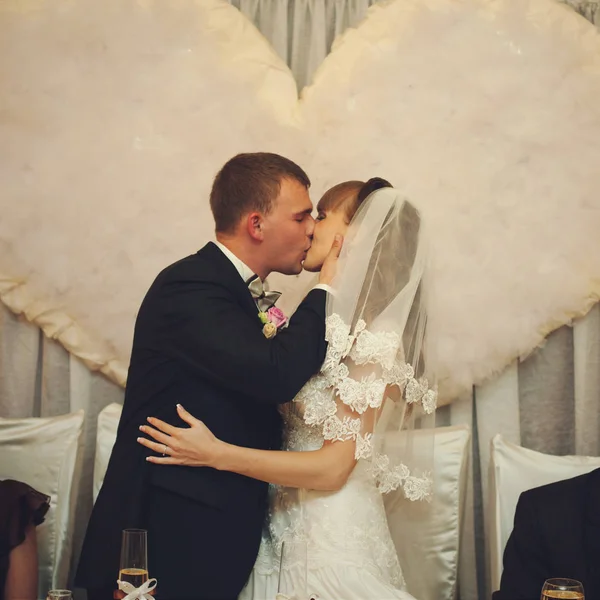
(250, 182)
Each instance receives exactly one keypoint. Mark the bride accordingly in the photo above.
(350, 434)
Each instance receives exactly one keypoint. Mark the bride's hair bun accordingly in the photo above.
(375, 183)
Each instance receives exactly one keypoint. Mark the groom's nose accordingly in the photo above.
(310, 229)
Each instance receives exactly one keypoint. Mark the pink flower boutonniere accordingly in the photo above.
(277, 317)
(272, 321)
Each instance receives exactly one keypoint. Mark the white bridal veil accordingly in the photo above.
(376, 385)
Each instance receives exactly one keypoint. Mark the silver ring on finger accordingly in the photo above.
(165, 450)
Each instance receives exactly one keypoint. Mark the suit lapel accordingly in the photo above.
(227, 274)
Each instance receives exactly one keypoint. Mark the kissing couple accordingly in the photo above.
(231, 396)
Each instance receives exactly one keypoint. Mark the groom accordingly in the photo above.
(199, 341)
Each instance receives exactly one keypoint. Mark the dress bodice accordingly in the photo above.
(347, 526)
(298, 435)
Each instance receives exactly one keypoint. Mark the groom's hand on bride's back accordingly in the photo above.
(329, 268)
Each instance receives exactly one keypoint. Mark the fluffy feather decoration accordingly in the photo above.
(115, 116)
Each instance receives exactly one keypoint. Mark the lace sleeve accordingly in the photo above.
(364, 371)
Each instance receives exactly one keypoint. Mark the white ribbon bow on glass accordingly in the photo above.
(141, 593)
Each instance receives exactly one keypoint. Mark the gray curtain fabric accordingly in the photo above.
(302, 31)
(549, 402)
(39, 378)
(590, 9)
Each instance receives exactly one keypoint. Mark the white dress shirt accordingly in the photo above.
(242, 268)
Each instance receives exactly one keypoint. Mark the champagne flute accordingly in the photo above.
(568, 589)
(134, 557)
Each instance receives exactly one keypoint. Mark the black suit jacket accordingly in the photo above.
(198, 341)
(556, 534)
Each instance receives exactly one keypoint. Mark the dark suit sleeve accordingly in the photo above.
(525, 558)
(203, 326)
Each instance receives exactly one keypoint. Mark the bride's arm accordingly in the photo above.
(325, 469)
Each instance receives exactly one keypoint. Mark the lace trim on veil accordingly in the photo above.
(320, 407)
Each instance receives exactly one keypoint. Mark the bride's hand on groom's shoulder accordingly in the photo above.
(193, 446)
(329, 268)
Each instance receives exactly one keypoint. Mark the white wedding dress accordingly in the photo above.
(374, 388)
(337, 544)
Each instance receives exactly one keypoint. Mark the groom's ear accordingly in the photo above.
(254, 225)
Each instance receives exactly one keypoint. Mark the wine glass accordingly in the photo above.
(569, 589)
(134, 557)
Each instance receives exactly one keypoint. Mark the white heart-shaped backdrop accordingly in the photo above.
(115, 116)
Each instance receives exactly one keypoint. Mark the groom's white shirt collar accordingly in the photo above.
(242, 268)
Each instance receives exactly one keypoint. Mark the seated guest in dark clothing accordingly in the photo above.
(21, 509)
(556, 534)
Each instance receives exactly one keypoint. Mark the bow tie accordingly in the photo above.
(265, 299)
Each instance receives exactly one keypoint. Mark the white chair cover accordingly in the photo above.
(108, 421)
(47, 454)
(427, 536)
(514, 469)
